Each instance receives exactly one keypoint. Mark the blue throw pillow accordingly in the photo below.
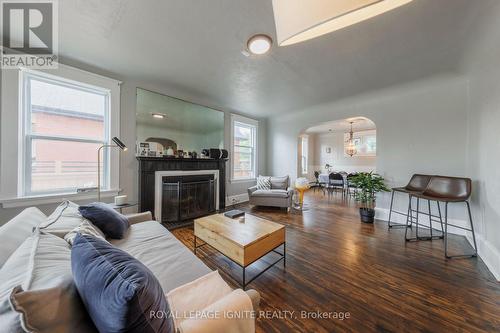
(111, 223)
(119, 292)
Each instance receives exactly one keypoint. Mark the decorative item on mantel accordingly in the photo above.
(169, 151)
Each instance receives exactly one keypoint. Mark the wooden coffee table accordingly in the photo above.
(242, 242)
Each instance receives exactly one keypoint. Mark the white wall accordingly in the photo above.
(128, 173)
(482, 67)
(421, 127)
(337, 158)
(443, 125)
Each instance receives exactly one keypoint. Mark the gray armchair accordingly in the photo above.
(280, 194)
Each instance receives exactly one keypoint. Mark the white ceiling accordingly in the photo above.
(344, 125)
(196, 46)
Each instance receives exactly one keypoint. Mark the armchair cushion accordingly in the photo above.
(279, 183)
(271, 193)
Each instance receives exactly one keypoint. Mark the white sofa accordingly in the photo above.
(148, 241)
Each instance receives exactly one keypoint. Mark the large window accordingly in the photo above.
(65, 122)
(304, 152)
(244, 148)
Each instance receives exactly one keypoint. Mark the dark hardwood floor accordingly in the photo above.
(335, 264)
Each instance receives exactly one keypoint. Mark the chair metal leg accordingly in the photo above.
(440, 218)
(418, 209)
(446, 235)
(409, 218)
(446, 230)
(472, 229)
(430, 215)
(390, 211)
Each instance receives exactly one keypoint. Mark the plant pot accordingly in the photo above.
(367, 215)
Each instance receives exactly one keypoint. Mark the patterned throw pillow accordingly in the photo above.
(264, 183)
(85, 228)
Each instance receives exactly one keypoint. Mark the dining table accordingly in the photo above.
(324, 178)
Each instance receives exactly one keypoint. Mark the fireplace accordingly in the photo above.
(181, 196)
(187, 197)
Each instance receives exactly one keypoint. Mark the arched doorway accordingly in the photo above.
(325, 147)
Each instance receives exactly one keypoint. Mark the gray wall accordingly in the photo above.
(421, 127)
(128, 163)
(337, 158)
(482, 67)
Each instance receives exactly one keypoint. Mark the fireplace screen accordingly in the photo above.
(187, 197)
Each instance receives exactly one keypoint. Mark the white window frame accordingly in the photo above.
(27, 136)
(304, 157)
(254, 126)
(12, 152)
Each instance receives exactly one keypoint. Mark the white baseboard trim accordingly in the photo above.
(488, 253)
(236, 199)
(383, 214)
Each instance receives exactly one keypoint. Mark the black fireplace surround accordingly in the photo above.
(183, 197)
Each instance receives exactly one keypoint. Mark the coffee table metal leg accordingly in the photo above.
(194, 245)
(284, 254)
(244, 285)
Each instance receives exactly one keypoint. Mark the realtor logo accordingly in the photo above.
(29, 33)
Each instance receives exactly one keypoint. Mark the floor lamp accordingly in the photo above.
(118, 144)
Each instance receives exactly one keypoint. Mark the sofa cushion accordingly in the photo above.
(15, 232)
(42, 261)
(279, 183)
(119, 292)
(53, 310)
(169, 260)
(108, 220)
(271, 193)
(65, 218)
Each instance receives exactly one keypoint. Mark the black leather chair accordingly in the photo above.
(336, 182)
(350, 188)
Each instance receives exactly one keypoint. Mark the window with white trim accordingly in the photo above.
(243, 148)
(64, 124)
(304, 152)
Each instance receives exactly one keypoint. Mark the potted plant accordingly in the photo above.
(368, 184)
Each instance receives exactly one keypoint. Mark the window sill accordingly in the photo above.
(248, 180)
(53, 198)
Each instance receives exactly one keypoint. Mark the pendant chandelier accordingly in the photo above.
(300, 20)
(351, 147)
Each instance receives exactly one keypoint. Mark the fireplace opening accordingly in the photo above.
(187, 197)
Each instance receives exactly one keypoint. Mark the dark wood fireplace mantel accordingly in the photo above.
(149, 165)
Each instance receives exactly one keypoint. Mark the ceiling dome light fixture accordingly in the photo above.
(158, 115)
(259, 44)
(299, 20)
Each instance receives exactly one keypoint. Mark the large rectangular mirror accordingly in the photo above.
(166, 125)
